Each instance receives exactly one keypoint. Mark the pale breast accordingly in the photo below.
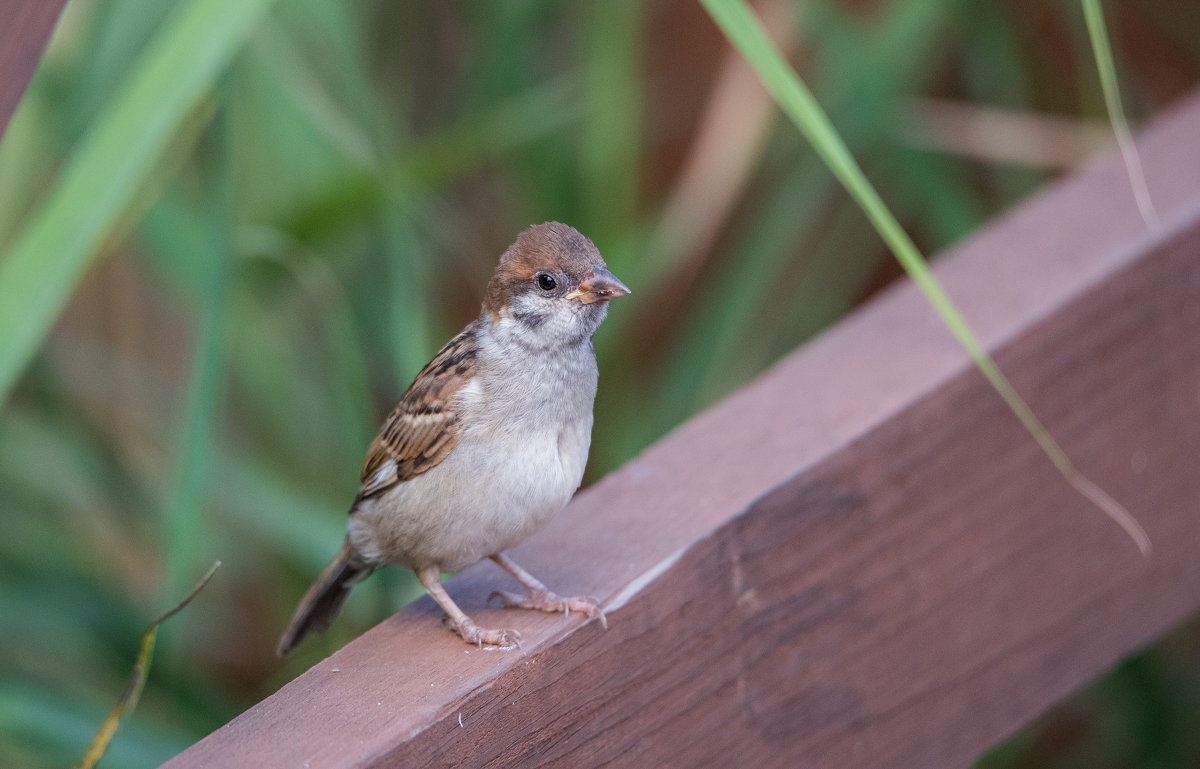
(520, 457)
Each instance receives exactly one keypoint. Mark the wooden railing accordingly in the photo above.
(25, 27)
(858, 560)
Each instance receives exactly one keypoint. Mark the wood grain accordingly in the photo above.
(858, 560)
(23, 34)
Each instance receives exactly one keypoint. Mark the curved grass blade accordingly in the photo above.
(1116, 115)
(101, 177)
(746, 34)
(133, 690)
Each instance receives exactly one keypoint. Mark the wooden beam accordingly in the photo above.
(858, 560)
(23, 34)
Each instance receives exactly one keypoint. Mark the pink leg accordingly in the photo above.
(458, 620)
(540, 597)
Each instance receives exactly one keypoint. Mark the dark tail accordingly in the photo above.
(321, 604)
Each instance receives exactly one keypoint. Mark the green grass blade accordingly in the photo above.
(746, 34)
(101, 177)
(1116, 115)
(609, 141)
(196, 441)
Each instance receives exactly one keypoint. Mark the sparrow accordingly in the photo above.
(487, 444)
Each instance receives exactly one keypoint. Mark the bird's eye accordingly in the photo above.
(545, 281)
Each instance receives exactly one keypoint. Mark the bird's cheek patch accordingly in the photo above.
(530, 312)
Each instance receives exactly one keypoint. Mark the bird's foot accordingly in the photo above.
(545, 600)
(479, 636)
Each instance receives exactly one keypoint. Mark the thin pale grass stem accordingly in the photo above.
(1116, 115)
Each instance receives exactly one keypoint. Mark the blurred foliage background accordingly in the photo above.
(324, 214)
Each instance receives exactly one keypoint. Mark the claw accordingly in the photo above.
(544, 600)
(540, 597)
(473, 634)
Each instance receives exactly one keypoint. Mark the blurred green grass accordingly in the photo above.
(323, 216)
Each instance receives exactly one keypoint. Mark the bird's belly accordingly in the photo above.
(482, 499)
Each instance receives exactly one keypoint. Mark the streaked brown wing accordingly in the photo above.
(423, 427)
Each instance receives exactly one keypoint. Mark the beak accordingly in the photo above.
(600, 286)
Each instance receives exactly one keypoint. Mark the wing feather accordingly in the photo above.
(423, 428)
